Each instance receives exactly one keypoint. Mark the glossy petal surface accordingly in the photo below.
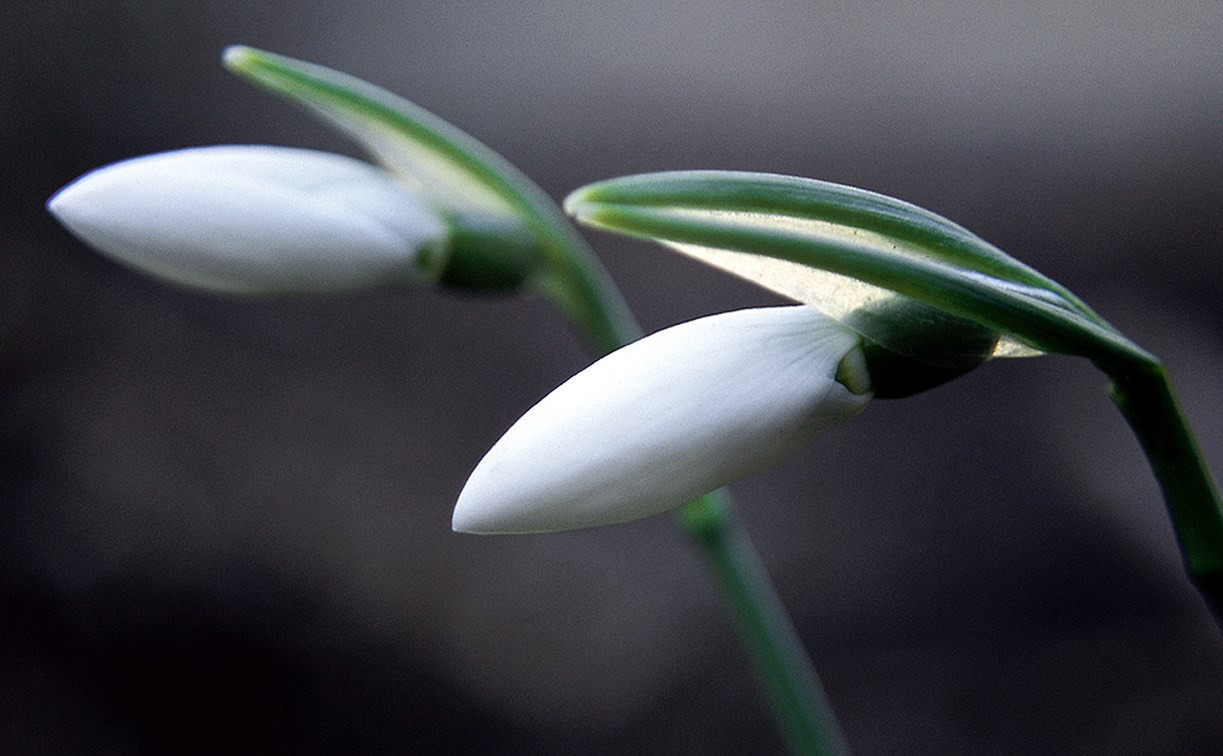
(664, 420)
(255, 219)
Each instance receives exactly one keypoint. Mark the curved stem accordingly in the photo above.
(1144, 396)
(781, 662)
(589, 300)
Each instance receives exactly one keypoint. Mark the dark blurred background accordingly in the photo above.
(224, 523)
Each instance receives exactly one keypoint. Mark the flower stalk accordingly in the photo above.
(1145, 397)
(801, 707)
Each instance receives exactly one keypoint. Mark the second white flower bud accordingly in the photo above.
(256, 220)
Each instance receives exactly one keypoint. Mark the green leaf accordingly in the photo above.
(484, 195)
(444, 163)
(839, 248)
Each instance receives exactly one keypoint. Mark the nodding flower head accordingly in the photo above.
(667, 419)
(256, 220)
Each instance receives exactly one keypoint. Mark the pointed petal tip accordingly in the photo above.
(77, 206)
(55, 204)
(461, 522)
(468, 522)
(467, 517)
(488, 505)
(481, 510)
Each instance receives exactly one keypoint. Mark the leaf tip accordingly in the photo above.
(239, 58)
(580, 205)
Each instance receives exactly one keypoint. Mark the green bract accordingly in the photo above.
(506, 230)
(843, 249)
(917, 285)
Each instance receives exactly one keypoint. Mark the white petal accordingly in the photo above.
(663, 421)
(256, 219)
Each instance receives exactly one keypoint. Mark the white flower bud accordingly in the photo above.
(667, 419)
(255, 219)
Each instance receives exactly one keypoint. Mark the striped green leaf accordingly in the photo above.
(485, 197)
(839, 248)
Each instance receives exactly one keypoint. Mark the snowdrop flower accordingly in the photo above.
(667, 419)
(256, 219)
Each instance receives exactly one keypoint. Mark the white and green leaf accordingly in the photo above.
(839, 248)
(441, 161)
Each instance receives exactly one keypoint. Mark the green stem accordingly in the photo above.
(1144, 396)
(781, 662)
(589, 300)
